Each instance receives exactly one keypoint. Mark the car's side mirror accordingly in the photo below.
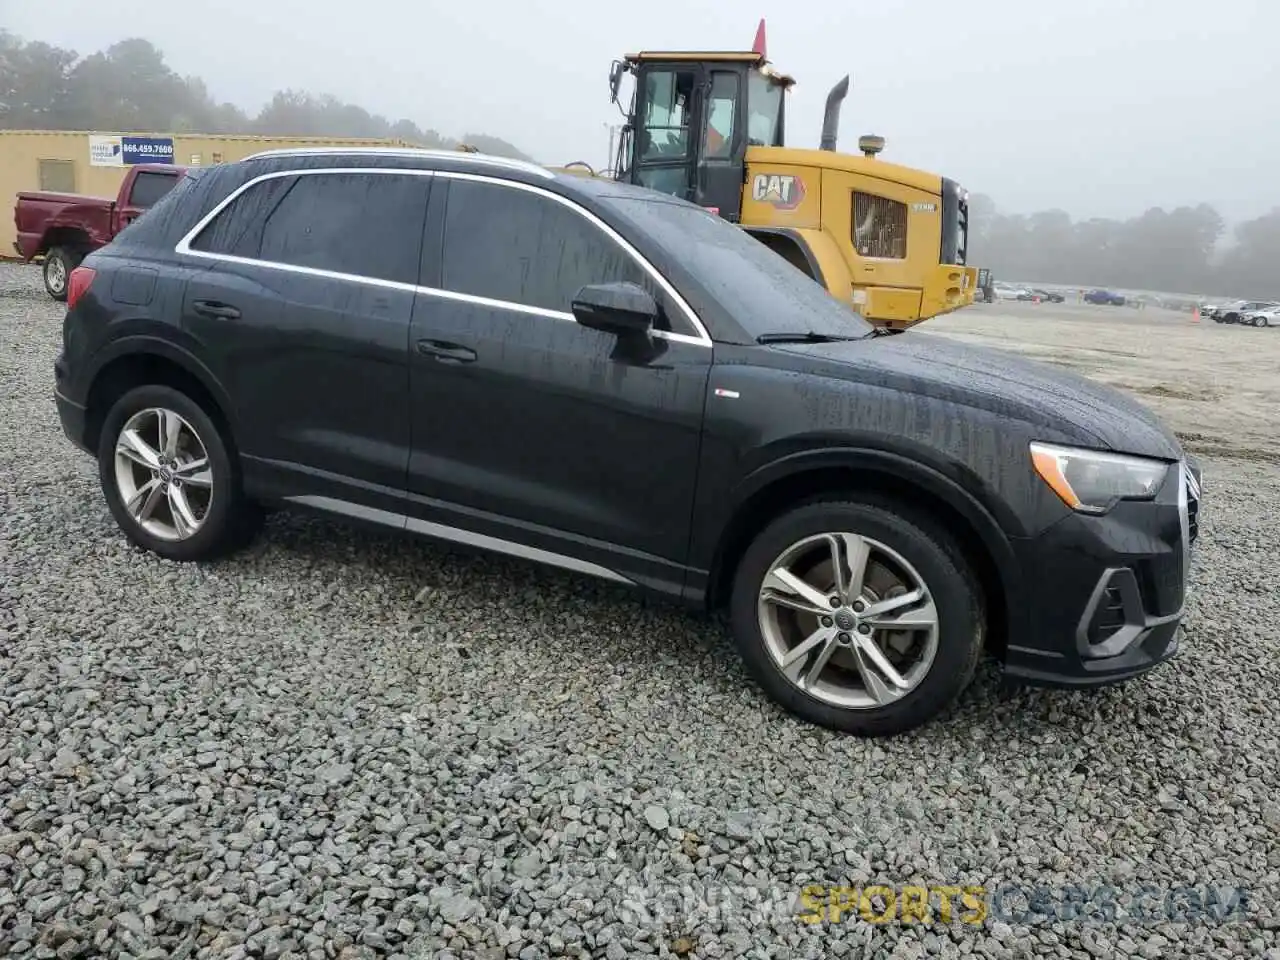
(622, 308)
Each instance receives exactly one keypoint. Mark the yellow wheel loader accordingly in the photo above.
(708, 127)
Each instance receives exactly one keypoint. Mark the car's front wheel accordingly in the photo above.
(859, 616)
(169, 479)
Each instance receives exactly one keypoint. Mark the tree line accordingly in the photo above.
(1171, 251)
(129, 86)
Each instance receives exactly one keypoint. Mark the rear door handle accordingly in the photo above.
(446, 352)
(215, 309)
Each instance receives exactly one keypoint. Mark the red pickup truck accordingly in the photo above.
(66, 227)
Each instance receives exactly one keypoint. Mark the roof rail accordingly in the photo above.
(422, 153)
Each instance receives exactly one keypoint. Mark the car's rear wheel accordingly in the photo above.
(858, 616)
(58, 264)
(169, 479)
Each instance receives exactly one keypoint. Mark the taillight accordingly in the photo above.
(78, 284)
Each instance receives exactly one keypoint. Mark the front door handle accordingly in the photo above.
(215, 309)
(446, 352)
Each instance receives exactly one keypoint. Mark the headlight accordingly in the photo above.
(1091, 481)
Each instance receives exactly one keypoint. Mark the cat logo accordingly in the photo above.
(783, 192)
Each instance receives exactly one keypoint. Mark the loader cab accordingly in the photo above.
(691, 119)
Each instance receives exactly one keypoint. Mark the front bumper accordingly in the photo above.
(1111, 591)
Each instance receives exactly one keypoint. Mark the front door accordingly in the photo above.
(529, 424)
(304, 318)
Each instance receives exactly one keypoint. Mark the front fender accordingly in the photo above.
(718, 534)
(991, 522)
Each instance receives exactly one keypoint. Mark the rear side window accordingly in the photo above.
(362, 224)
(148, 188)
(523, 248)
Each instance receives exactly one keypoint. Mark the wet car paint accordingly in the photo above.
(637, 460)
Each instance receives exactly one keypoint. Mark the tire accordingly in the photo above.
(927, 552)
(58, 264)
(226, 520)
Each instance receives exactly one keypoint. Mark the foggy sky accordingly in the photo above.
(1097, 107)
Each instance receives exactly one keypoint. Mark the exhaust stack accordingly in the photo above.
(831, 118)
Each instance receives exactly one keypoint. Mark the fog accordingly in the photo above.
(1099, 107)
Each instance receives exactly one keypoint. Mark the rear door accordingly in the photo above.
(530, 427)
(304, 315)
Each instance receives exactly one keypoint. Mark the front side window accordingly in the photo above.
(879, 227)
(523, 248)
(764, 110)
(362, 224)
(149, 188)
(668, 97)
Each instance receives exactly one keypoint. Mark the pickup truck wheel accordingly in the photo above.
(858, 616)
(58, 264)
(168, 478)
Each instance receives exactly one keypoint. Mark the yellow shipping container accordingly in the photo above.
(94, 163)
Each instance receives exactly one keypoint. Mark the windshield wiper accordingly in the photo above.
(809, 336)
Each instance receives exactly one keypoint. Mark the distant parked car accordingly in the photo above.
(1269, 317)
(1048, 296)
(1105, 297)
(1007, 291)
(1242, 310)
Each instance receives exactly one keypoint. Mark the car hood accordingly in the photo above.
(1039, 394)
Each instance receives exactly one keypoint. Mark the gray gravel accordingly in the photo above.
(339, 745)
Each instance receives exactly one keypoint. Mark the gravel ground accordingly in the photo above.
(339, 745)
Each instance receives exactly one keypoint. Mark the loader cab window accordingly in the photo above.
(722, 108)
(764, 110)
(668, 102)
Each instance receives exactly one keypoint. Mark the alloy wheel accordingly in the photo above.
(848, 620)
(163, 474)
(55, 274)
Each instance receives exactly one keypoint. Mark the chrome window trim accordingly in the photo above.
(183, 248)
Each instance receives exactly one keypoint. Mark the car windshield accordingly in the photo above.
(763, 292)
